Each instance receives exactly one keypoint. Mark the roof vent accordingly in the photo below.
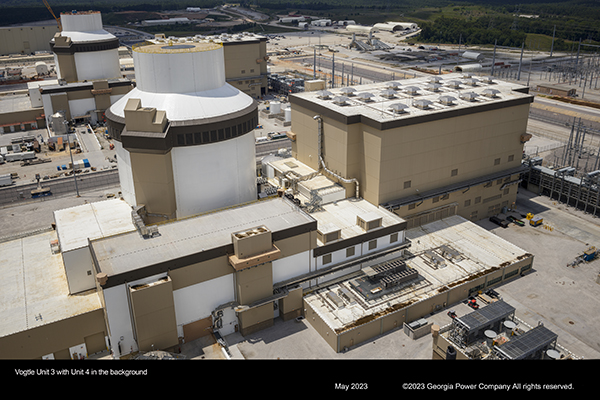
(471, 81)
(365, 96)
(398, 108)
(447, 100)
(488, 79)
(491, 93)
(454, 84)
(435, 79)
(469, 96)
(412, 90)
(324, 94)
(392, 85)
(388, 93)
(348, 91)
(340, 100)
(423, 104)
(434, 87)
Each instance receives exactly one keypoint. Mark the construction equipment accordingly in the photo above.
(536, 221)
(472, 303)
(40, 191)
(52, 12)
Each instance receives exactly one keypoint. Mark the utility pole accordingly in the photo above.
(494, 57)
(520, 62)
(552, 46)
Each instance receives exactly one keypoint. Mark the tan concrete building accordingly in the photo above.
(26, 39)
(419, 147)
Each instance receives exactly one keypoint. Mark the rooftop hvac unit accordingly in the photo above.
(369, 221)
(454, 84)
(488, 79)
(335, 299)
(392, 85)
(471, 81)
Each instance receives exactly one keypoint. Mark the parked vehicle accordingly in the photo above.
(499, 221)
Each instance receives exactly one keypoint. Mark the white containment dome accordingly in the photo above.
(185, 141)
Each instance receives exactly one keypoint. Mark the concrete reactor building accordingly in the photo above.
(184, 135)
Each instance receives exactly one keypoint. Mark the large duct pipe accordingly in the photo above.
(321, 161)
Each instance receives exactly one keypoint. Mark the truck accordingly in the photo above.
(6, 180)
(536, 221)
(498, 221)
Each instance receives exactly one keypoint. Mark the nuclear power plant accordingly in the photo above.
(184, 135)
(367, 226)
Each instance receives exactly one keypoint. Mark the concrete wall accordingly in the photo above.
(26, 39)
(400, 162)
(395, 317)
(54, 340)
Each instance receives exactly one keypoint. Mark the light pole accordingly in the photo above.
(71, 154)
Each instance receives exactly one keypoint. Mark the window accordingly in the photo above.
(511, 158)
(393, 237)
(407, 184)
(326, 259)
(497, 161)
(412, 206)
(499, 182)
(350, 251)
(373, 244)
(435, 199)
(454, 172)
(243, 71)
(467, 203)
(506, 191)
(477, 199)
(445, 197)
(251, 70)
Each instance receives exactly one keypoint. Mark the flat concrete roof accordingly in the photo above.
(343, 214)
(193, 237)
(75, 225)
(379, 105)
(34, 289)
(480, 250)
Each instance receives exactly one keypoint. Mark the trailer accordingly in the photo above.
(26, 155)
(6, 180)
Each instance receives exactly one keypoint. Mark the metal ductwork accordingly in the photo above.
(322, 165)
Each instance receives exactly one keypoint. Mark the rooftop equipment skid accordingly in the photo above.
(529, 345)
(466, 329)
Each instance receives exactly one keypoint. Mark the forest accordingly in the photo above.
(475, 22)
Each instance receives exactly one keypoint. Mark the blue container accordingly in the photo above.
(86, 163)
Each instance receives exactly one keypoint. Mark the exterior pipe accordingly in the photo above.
(321, 161)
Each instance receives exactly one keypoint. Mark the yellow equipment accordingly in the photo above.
(55, 17)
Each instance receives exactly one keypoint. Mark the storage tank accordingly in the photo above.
(275, 107)
(184, 137)
(287, 114)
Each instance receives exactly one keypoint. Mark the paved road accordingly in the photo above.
(12, 195)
